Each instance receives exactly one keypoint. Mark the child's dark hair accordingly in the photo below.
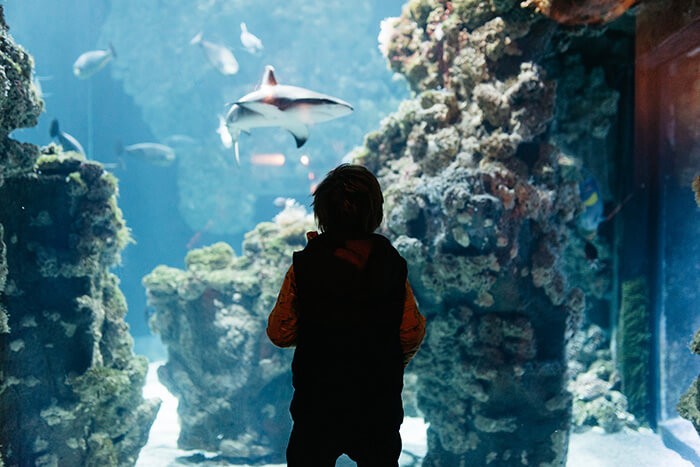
(348, 200)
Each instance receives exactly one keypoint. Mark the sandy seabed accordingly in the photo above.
(591, 449)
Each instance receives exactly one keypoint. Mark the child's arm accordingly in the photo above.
(412, 327)
(282, 323)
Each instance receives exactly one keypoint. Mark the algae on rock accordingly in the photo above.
(633, 346)
(689, 405)
(233, 385)
(482, 203)
(68, 358)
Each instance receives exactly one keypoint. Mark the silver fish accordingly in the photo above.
(218, 55)
(155, 153)
(250, 41)
(93, 61)
(67, 141)
(289, 107)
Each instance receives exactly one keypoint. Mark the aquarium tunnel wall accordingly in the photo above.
(540, 165)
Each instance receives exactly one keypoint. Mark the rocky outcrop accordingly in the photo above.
(70, 385)
(595, 384)
(482, 201)
(232, 384)
(689, 405)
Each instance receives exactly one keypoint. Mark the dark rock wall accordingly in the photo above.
(70, 385)
(233, 385)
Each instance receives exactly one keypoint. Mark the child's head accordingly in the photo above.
(349, 200)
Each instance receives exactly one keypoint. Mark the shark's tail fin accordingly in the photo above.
(112, 50)
(237, 153)
(196, 39)
(54, 130)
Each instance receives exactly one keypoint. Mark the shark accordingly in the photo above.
(278, 105)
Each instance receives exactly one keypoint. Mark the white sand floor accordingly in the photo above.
(590, 449)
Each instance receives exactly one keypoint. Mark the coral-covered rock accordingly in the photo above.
(581, 12)
(20, 103)
(233, 385)
(482, 203)
(72, 387)
(689, 405)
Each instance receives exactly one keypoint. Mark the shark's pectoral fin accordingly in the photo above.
(299, 131)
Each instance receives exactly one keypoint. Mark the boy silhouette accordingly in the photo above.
(348, 308)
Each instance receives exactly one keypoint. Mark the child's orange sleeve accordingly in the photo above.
(283, 321)
(412, 326)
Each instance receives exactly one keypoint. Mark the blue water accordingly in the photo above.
(101, 115)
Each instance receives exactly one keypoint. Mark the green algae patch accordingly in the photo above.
(633, 346)
(217, 256)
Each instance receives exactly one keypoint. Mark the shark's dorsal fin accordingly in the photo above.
(268, 78)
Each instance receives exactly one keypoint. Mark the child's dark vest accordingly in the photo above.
(348, 363)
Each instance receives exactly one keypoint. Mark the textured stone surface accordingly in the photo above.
(233, 385)
(68, 365)
(482, 201)
(595, 386)
(689, 405)
(70, 385)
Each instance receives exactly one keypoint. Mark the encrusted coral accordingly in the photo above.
(69, 364)
(581, 11)
(595, 386)
(232, 383)
(482, 203)
(696, 188)
(689, 405)
(20, 103)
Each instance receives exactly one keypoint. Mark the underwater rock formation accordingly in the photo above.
(68, 365)
(233, 385)
(597, 401)
(482, 201)
(696, 189)
(689, 405)
(581, 11)
(70, 385)
(181, 94)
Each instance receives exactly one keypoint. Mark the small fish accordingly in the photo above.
(67, 141)
(224, 135)
(93, 61)
(289, 107)
(590, 251)
(250, 41)
(155, 153)
(592, 214)
(218, 55)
